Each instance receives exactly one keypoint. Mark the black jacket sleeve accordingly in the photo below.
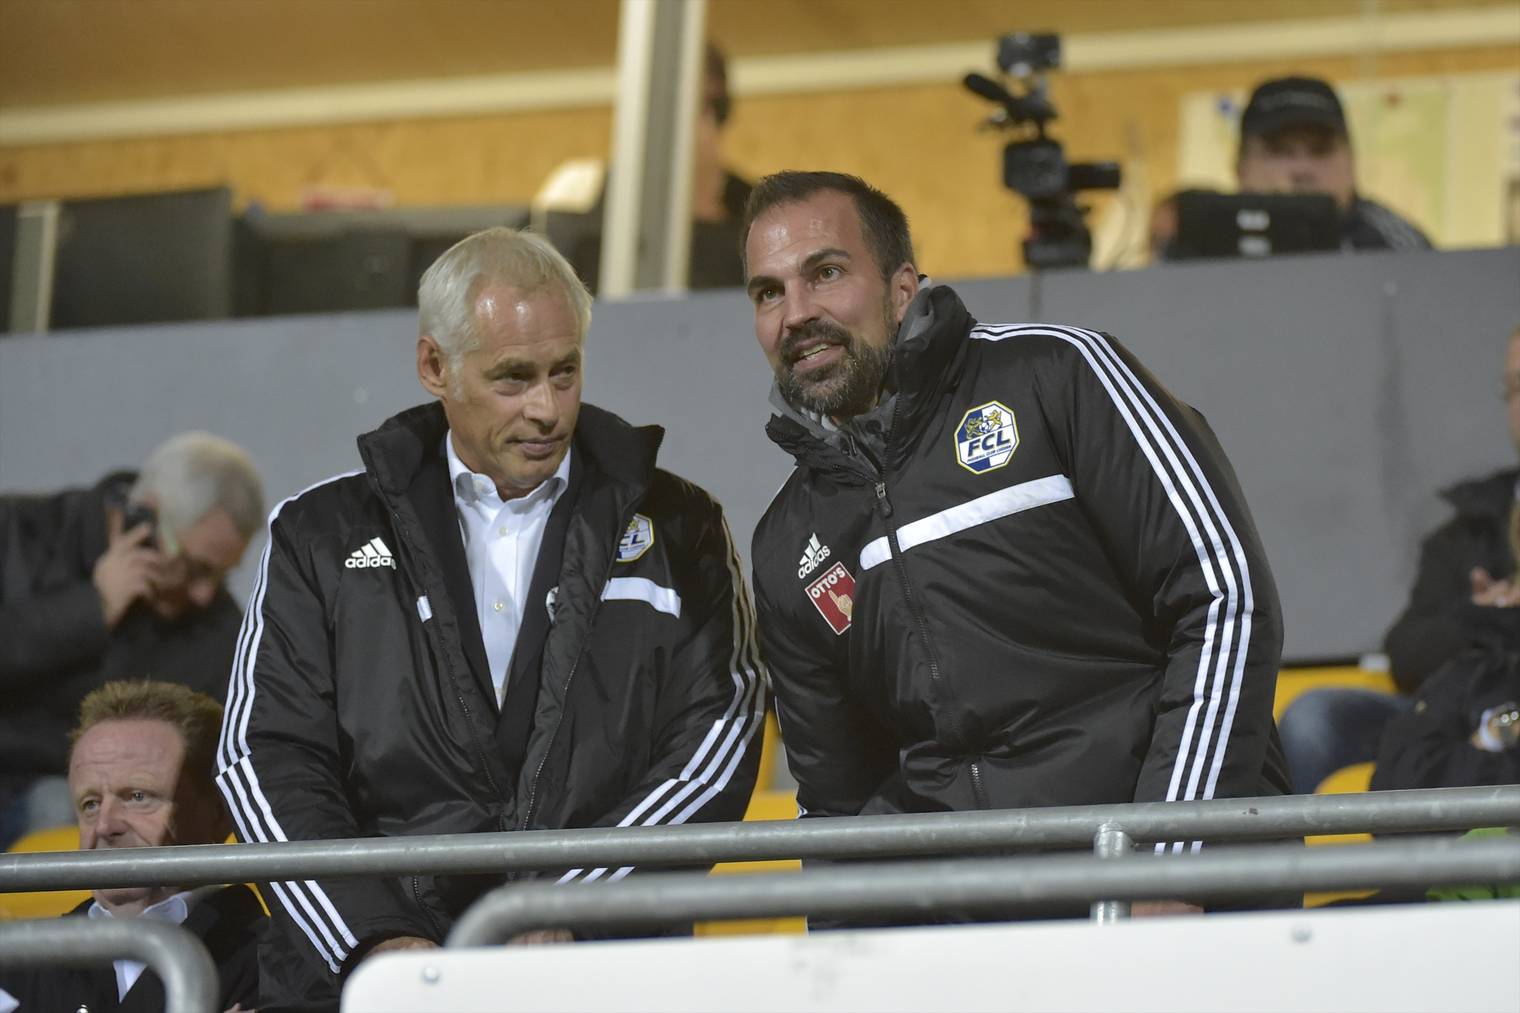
(42, 630)
(1159, 491)
(279, 763)
(1430, 746)
(1440, 620)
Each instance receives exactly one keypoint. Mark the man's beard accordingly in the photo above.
(849, 387)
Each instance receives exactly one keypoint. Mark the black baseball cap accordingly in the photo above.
(1292, 102)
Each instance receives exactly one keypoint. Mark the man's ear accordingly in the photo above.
(432, 366)
(903, 286)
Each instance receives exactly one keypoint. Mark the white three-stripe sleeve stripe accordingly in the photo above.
(1155, 432)
(723, 749)
(1234, 614)
(305, 901)
(1223, 684)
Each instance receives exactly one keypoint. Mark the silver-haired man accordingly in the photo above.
(510, 619)
(118, 581)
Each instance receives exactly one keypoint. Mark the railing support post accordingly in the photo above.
(1111, 842)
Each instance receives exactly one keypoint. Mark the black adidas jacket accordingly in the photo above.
(1049, 593)
(360, 703)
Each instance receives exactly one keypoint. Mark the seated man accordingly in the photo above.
(1294, 139)
(511, 619)
(140, 774)
(117, 581)
(1465, 594)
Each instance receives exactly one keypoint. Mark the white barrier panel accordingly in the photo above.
(1414, 958)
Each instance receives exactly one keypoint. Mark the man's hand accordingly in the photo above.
(396, 943)
(537, 937)
(1493, 593)
(125, 572)
(1155, 908)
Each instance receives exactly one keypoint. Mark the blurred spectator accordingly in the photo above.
(1294, 139)
(122, 580)
(1464, 728)
(140, 776)
(717, 199)
(1465, 596)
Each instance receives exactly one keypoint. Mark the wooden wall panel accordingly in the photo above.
(466, 160)
(918, 143)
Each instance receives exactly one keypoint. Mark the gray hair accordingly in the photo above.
(523, 260)
(191, 474)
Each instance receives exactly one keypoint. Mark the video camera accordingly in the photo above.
(1034, 164)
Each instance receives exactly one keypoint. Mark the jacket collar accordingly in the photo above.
(397, 450)
(1488, 497)
(928, 357)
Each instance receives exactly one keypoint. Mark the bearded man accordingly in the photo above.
(1010, 568)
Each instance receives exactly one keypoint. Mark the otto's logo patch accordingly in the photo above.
(986, 438)
(833, 595)
(636, 540)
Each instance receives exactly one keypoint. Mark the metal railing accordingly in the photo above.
(853, 837)
(181, 962)
(988, 886)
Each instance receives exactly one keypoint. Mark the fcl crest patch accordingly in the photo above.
(833, 595)
(636, 539)
(986, 438)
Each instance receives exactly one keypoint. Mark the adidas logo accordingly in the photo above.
(812, 556)
(371, 553)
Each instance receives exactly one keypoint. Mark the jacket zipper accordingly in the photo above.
(485, 760)
(527, 817)
(919, 618)
(438, 933)
(977, 788)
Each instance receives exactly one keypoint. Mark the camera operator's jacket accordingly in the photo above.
(361, 704)
(1036, 584)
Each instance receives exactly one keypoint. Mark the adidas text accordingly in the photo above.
(812, 556)
(372, 553)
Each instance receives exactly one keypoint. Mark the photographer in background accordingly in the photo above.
(1294, 139)
(120, 581)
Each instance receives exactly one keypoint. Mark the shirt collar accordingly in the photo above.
(470, 486)
(173, 909)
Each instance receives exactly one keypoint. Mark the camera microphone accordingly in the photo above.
(987, 88)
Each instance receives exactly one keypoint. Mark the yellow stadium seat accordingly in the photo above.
(763, 805)
(1293, 681)
(1346, 781)
(770, 755)
(43, 904)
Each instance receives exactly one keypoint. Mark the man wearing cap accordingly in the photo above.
(1293, 138)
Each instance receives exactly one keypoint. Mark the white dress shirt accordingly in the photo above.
(173, 909)
(501, 542)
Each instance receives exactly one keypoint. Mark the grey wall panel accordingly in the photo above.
(1346, 389)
